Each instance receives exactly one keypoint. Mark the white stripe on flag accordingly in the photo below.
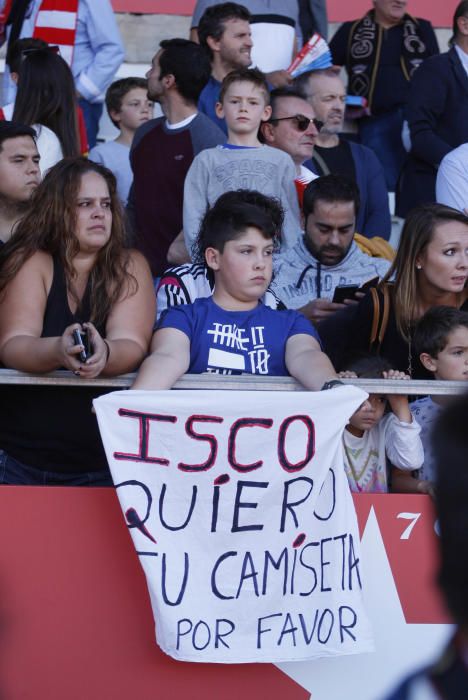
(56, 19)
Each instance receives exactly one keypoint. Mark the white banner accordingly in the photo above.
(240, 511)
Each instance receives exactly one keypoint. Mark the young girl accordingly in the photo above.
(372, 435)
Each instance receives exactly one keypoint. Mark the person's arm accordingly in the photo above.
(452, 179)
(318, 9)
(377, 215)
(346, 334)
(195, 200)
(198, 10)
(402, 437)
(169, 360)
(178, 253)
(306, 362)
(405, 482)
(102, 34)
(21, 320)
(130, 323)
(426, 105)
(399, 402)
(280, 78)
(292, 229)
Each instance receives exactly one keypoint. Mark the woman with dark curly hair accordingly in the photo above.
(66, 269)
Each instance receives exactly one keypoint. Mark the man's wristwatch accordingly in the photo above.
(331, 384)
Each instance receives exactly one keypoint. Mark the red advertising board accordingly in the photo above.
(439, 13)
(76, 621)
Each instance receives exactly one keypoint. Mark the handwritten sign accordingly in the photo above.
(240, 512)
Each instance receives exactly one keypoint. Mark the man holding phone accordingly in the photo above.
(326, 258)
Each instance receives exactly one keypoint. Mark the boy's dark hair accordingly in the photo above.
(369, 366)
(212, 21)
(117, 91)
(232, 214)
(432, 329)
(280, 93)
(450, 443)
(14, 54)
(188, 63)
(330, 188)
(245, 75)
(13, 130)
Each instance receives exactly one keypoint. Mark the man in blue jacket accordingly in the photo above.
(437, 114)
(326, 93)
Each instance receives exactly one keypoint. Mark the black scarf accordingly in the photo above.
(15, 19)
(365, 43)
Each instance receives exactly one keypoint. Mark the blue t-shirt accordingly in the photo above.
(209, 96)
(236, 342)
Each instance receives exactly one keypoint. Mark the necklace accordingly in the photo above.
(352, 465)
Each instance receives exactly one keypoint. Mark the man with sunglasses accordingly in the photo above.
(292, 128)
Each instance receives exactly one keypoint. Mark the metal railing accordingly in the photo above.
(246, 382)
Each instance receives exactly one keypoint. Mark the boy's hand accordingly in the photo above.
(399, 402)
(347, 374)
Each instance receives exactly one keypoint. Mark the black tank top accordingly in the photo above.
(52, 428)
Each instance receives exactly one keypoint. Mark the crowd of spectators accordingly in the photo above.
(244, 207)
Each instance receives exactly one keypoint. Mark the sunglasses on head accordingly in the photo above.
(52, 49)
(301, 122)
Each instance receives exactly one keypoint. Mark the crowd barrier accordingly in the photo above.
(247, 382)
(75, 617)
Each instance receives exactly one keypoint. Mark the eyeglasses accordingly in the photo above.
(301, 122)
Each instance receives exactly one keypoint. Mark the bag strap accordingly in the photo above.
(379, 317)
(375, 316)
(321, 163)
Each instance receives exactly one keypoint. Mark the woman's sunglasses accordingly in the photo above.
(301, 122)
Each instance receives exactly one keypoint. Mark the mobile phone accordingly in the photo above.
(370, 283)
(344, 291)
(81, 338)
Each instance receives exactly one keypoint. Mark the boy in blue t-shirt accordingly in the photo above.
(232, 332)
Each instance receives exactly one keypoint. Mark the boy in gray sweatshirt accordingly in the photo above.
(243, 162)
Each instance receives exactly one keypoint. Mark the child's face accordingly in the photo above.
(243, 108)
(136, 109)
(243, 270)
(451, 363)
(368, 414)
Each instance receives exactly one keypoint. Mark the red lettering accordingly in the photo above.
(205, 437)
(144, 420)
(235, 427)
(310, 449)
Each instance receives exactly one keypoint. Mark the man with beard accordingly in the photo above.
(326, 256)
(224, 33)
(19, 174)
(326, 93)
(163, 150)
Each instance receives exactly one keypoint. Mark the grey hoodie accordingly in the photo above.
(300, 278)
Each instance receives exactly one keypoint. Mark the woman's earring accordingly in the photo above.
(418, 266)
